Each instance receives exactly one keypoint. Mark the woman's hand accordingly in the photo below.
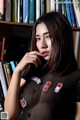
(29, 58)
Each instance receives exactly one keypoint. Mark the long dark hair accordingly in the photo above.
(62, 59)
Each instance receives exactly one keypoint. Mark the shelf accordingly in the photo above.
(75, 29)
(15, 23)
(27, 25)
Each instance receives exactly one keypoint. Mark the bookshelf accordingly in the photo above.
(18, 36)
(19, 32)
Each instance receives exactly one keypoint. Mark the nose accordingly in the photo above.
(43, 44)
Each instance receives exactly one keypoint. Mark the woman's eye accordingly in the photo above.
(37, 39)
(48, 36)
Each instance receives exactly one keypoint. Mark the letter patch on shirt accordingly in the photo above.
(46, 87)
(58, 87)
(23, 103)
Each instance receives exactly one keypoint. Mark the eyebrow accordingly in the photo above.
(43, 34)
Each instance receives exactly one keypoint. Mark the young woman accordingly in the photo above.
(46, 82)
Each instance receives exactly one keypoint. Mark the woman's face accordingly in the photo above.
(43, 41)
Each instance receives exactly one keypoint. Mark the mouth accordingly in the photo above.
(45, 54)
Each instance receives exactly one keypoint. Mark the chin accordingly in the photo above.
(47, 58)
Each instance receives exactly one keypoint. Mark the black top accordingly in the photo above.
(50, 97)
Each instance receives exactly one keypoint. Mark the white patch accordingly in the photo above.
(36, 79)
(58, 87)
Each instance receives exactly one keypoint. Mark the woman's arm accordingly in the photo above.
(12, 102)
(78, 111)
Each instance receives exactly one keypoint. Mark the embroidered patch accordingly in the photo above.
(46, 87)
(36, 79)
(58, 87)
(23, 103)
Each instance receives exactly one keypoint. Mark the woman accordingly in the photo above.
(46, 82)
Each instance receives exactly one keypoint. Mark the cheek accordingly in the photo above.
(49, 44)
(38, 45)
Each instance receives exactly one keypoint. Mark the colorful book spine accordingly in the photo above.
(3, 48)
(12, 64)
(72, 14)
(68, 12)
(2, 79)
(32, 11)
(25, 11)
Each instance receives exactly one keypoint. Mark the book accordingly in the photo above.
(76, 4)
(1, 9)
(52, 5)
(58, 5)
(7, 10)
(37, 9)
(47, 6)
(13, 65)
(3, 79)
(26, 11)
(7, 73)
(14, 10)
(20, 11)
(72, 14)
(1, 98)
(31, 11)
(42, 7)
(2, 48)
(68, 12)
(63, 9)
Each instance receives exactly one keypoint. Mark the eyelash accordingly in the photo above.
(48, 36)
(37, 39)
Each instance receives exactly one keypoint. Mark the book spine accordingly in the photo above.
(32, 11)
(18, 10)
(1, 98)
(52, 5)
(3, 48)
(14, 13)
(21, 10)
(68, 12)
(8, 10)
(37, 9)
(47, 6)
(2, 79)
(12, 64)
(72, 15)
(77, 39)
(42, 7)
(76, 4)
(25, 11)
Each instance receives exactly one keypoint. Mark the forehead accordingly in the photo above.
(41, 29)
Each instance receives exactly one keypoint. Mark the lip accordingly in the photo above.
(45, 54)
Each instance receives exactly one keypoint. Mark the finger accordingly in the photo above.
(34, 57)
(35, 53)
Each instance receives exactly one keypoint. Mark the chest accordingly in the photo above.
(49, 90)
